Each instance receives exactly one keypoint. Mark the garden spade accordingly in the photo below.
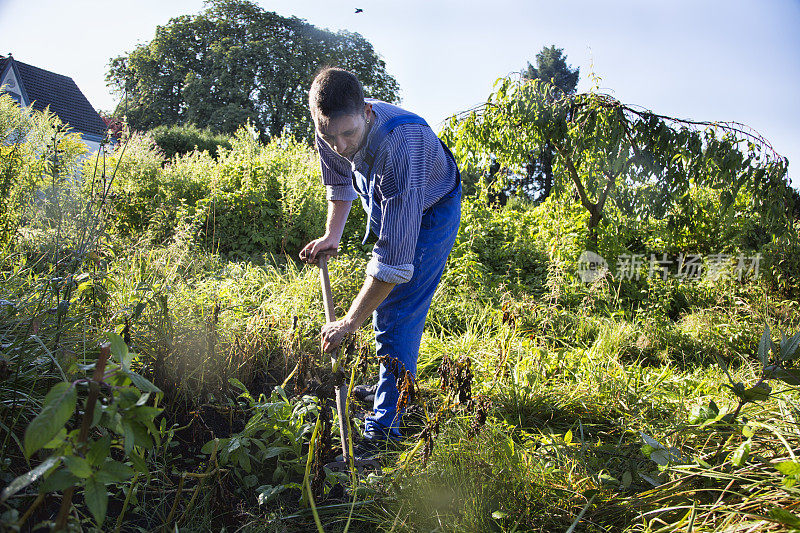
(340, 390)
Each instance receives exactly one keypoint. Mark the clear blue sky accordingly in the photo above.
(731, 60)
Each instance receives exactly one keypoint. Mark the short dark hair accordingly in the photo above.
(335, 92)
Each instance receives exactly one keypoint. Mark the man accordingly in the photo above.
(410, 187)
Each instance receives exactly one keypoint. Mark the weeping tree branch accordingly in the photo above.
(600, 139)
(604, 100)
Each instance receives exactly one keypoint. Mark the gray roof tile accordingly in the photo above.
(45, 88)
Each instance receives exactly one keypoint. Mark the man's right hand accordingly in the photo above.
(324, 246)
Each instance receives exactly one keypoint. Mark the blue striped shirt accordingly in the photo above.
(411, 173)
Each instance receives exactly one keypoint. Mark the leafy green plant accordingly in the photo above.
(37, 159)
(778, 361)
(251, 201)
(264, 199)
(269, 451)
(782, 262)
(137, 188)
(116, 427)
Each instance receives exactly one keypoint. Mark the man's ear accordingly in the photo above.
(367, 109)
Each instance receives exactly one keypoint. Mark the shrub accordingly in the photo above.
(513, 245)
(263, 199)
(38, 156)
(187, 138)
(137, 190)
(253, 200)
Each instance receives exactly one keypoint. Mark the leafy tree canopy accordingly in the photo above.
(605, 151)
(233, 63)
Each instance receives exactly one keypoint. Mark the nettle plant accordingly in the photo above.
(779, 361)
(104, 446)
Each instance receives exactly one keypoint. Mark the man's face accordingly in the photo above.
(345, 134)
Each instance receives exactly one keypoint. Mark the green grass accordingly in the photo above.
(575, 393)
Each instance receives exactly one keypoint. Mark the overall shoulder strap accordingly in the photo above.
(384, 130)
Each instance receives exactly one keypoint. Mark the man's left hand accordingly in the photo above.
(334, 333)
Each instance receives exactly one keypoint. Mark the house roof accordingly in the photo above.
(43, 88)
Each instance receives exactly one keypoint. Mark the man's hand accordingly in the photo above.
(328, 243)
(372, 293)
(334, 333)
(325, 245)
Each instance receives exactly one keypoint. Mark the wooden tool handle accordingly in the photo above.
(340, 390)
(327, 296)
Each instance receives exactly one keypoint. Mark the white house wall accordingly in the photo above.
(93, 146)
(10, 85)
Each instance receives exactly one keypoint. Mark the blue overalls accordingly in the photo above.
(399, 320)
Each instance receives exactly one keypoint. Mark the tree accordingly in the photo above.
(233, 63)
(646, 164)
(551, 67)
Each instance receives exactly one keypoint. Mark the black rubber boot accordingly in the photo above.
(365, 393)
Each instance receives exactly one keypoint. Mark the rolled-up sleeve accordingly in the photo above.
(340, 192)
(393, 255)
(403, 195)
(336, 174)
